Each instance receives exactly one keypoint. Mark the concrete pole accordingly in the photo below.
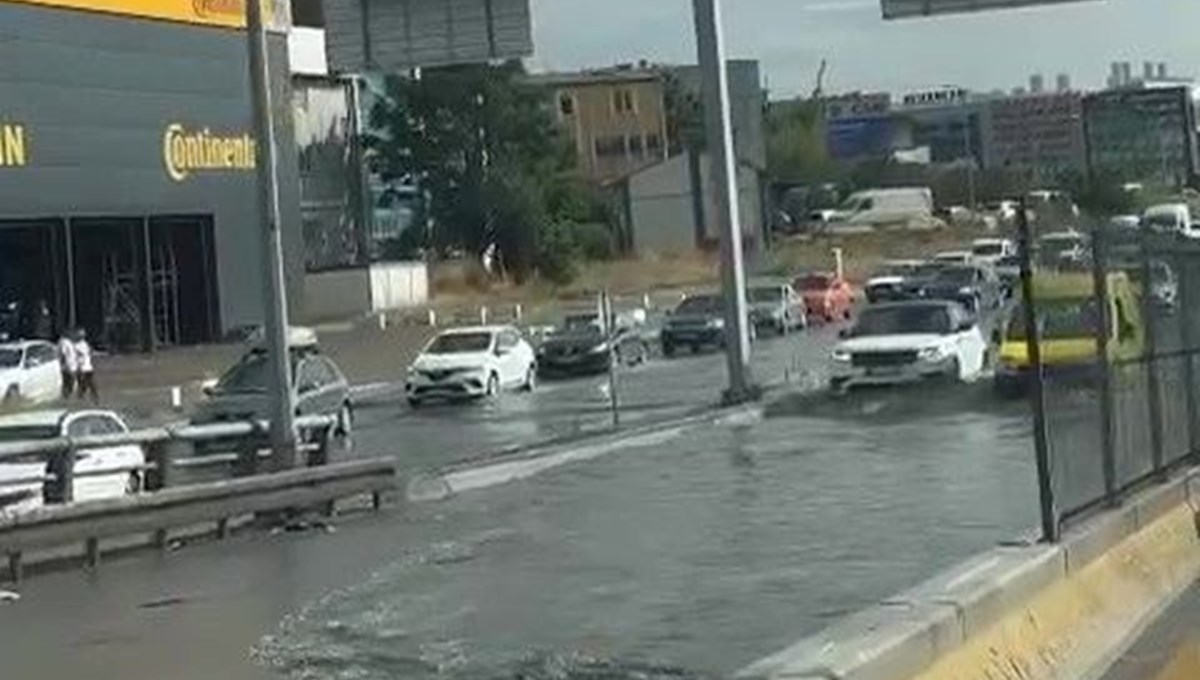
(275, 317)
(711, 52)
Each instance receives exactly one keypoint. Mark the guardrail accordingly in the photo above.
(160, 504)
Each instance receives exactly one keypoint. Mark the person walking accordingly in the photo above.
(67, 364)
(85, 372)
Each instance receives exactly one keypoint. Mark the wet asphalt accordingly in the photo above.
(688, 559)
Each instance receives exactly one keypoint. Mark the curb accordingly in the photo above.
(508, 465)
(1034, 612)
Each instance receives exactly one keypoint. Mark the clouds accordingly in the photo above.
(790, 37)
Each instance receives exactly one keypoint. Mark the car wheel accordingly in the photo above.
(954, 372)
(530, 383)
(133, 485)
(493, 385)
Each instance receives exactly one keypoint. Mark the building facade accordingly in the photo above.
(616, 119)
(127, 169)
(747, 105)
(1142, 134)
(1036, 137)
(947, 121)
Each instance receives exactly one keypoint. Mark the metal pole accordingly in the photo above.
(1104, 322)
(1037, 392)
(1150, 359)
(1185, 282)
(613, 357)
(275, 317)
(711, 57)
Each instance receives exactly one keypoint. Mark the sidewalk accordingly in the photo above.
(1169, 649)
(140, 384)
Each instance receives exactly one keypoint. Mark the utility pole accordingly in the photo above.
(711, 57)
(275, 318)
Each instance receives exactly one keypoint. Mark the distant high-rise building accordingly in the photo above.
(1062, 83)
(1162, 70)
(1148, 70)
(1036, 136)
(1143, 134)
(1036, 83)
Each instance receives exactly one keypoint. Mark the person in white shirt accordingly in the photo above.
(67, 364)
(85, 373)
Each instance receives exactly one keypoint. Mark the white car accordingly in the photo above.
(472, 363)
(29, 372)
(992, 250)
(903, 342)
(20, 489)
(953, 257)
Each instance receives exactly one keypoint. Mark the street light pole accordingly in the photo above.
(711, 57)
(275, 318)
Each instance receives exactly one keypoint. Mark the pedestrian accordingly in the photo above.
(85, 372)
(67, 364)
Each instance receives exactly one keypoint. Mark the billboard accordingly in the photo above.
(397, 35)
(905, 9)
(223, 13)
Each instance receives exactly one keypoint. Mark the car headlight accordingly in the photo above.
(715, 323)
(841, 356)
(935, 353)
(966, 290)
(600, 349)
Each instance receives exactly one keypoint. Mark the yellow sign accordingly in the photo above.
(227, 13)
(188, 152)
(14, 149)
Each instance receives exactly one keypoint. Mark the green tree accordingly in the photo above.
(796, 143)
(483, 143)
(685, 116)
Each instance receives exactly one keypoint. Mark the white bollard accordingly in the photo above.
(433, 318)
(382, 321)
(646, 301)
(518, 312)
(176, 398)
(483, 316)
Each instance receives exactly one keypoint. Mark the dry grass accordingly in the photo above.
(862, 253)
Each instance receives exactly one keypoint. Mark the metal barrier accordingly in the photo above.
(1117, 336)
(161, 503)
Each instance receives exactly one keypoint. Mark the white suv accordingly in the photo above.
(471, 363)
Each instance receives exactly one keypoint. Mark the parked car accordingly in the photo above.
(1171, 218)
(904, 207)
(698, 322)
(826, 295)
(29, 372)
(903, 342)
(777, 307)
(954, 257)
(975, 288)
(21, 488)
(992, 250)
(1067, 317)
(580, 346)
(1062, 249)
(887, 284)
(318, 386)
(475, 362)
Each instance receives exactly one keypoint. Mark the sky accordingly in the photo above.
(985, 51)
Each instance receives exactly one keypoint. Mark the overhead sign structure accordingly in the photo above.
(223, 13)
(907, 9)
(397, 35)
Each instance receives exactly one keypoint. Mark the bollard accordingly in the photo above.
(92, 552)
(382, 321)
(176, 398)
(646, 301)
(518, 312)
(483, 316)
(432, 319)
(16, 567)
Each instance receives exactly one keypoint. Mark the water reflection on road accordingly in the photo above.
(701, 556)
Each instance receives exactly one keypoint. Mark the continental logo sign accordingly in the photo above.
(14, 145)
(226, 13)
(188, 152)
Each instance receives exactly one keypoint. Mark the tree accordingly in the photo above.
(796, 143)
(484, 145)
(685, 116)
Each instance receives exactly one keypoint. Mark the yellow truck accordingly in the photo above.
(1067, 317)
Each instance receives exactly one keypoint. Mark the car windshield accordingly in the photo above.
(765, 294)
(10, 358)
(902, 320)
(986, 249)
(579, 324)
(815, 282)
(1066, 319)
(17, 433)
(958, 276)
(1162, 220)
(700, 304)
(460, 343)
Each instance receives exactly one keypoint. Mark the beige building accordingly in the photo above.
(616, 117)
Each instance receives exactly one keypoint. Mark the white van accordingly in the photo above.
(905, 208)
(1170, 218)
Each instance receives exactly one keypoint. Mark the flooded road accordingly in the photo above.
(686, 559)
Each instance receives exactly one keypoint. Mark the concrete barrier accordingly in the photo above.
(1020, 612)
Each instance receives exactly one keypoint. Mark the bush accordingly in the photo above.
(557, 253)
(595, 241)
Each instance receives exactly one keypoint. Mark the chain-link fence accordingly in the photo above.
(1114, 335)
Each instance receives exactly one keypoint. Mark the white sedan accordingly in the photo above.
(904, 342)
(29, 372)
(472, 363)
(20, 485)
